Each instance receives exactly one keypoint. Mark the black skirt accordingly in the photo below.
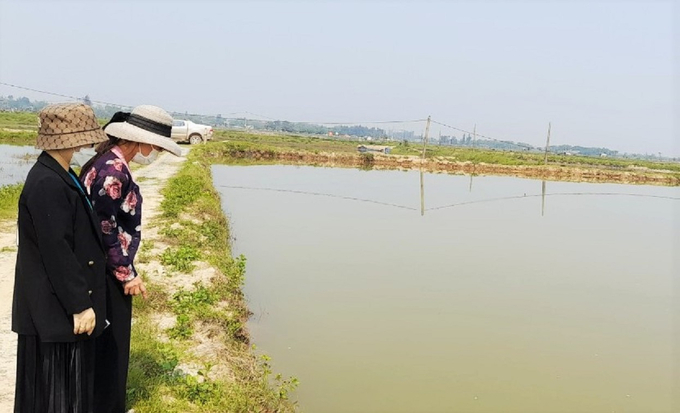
(54, 377)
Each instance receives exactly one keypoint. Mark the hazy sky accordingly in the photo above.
(604, 73)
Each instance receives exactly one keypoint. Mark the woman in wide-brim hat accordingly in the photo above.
(59, 303)
(133, 137)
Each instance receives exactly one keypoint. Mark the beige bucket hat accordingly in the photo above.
(68, 125)
(145, 124)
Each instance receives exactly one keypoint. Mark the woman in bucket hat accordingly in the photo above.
(133, 137)
(59, 302)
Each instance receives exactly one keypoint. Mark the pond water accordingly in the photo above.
(497, 299)
(15, 162)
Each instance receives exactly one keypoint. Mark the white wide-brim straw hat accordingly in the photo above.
(146, 124)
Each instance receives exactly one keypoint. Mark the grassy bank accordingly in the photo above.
(9, 201)
(241, 150)
(456, 154)
(18, 128)
(18, 138)
(202, 360)
(19, 121)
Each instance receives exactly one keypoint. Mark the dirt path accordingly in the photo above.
(151, 179)
(8, 340)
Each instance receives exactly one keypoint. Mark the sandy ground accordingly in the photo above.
(8, 340)
(151, 179)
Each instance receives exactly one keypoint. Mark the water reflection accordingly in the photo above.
(543, 198)
(422, 192)
(482, 305)
(475, 201)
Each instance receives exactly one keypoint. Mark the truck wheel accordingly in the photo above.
(195, 139)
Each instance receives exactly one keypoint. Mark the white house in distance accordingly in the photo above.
(374, 148)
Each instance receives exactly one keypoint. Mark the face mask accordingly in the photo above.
(81, 157)
(145, 160)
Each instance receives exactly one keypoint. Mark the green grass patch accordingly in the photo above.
(144, 253)
(19, 120)
(18, 138)
(180, 259)
(9, 200)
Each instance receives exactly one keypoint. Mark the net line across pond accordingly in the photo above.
(464, 203)
(505, 198)
(294, 191)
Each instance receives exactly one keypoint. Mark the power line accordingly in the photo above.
(208, 116)
(368, 122)
(271, 118)
(62, 95)
(523, 145)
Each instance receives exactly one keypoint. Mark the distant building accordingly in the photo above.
(374, 148)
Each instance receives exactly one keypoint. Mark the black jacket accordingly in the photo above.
(60, 268)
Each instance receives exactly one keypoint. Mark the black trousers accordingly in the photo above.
(54, 377)
(112, 351)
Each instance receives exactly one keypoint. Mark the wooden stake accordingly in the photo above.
(425, 138)
(547, 145)
(474, 135)
(422, 163)
(474, 165)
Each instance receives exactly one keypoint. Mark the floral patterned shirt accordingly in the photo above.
(118, 204)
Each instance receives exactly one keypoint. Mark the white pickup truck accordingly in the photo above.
(188, 131)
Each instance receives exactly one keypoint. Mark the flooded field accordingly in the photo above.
(15, 162)
(507, 295)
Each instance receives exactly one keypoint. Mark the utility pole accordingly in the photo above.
(474, 135)
(547, 145)
(474, 167)
(422, 163)
(427, 132)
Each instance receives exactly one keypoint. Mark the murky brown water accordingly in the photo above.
(486, 306)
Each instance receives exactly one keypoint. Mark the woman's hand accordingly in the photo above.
(84, 322)
(135, 287)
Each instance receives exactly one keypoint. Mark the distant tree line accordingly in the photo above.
(469, 141)
(23, 104)
(20, 104)
(310, 128)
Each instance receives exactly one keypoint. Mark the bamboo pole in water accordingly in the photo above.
(543, 198)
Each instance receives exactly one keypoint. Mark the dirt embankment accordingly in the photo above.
(549, 172)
